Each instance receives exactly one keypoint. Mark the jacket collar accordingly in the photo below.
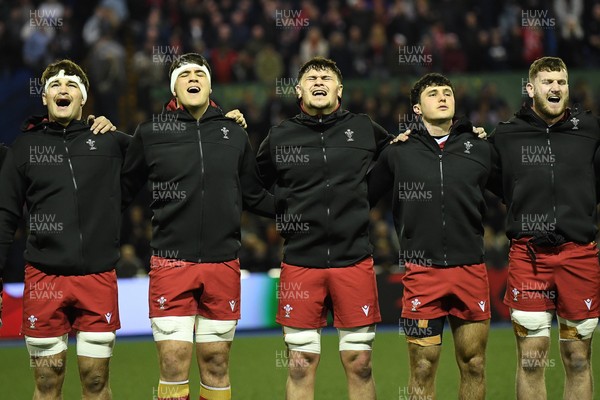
(41, 122)
(459, 125)
(213, 111)
(526, 113)
(321, 120)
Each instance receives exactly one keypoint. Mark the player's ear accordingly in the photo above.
(298, 92)
(44, 99)
(417, 109)
(530, 90)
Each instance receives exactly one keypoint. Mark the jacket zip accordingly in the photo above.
(75, 195)
(552, 176)
(443, 208)
(327, 185)
(202, 188)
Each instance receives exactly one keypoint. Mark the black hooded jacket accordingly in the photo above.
(319, 167)
(438, 201)
(3, 151)
(69, 179)
(548, 174)
(201, 174)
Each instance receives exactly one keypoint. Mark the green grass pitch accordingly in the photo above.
(258, 369)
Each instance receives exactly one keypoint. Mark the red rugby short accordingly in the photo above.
(565, 278)
(306, 294)
(433, 292)
(53, 304)
(184, 288)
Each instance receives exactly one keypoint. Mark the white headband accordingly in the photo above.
(185, 67)
(73, 78)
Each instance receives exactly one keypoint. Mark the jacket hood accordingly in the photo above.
(459, 125)
(41, 122)
(526, 113)
(320, 120)
(213, 111)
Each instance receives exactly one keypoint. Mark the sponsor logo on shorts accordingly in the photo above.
(232, 304)
(32, 320)
(588, 303)
(515, 293)
(482, 305)
(92, 144)
(415, 303)
(365, 309)
(108, 316)
(288, 309)
(161, 302)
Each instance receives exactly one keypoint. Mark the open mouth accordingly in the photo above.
(63, 103)
(554, 99)
(193, 89)
(319, 93)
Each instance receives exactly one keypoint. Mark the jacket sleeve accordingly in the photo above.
(266, 168)
(134, 173)
(3, 151)
(255, 197)
(124, 140)
(597, 173)
(494, 183)
(382, 138)
(380, 179)
(12, 198)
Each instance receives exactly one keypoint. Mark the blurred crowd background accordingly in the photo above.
(255, 48)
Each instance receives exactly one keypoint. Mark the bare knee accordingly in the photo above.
(302, 364)
(94, 382)
(217, 364)
(473, 366)
(533, 362)
(174, 363)
(423, 369)
(48, 379)
(358, 364)
(576, 362)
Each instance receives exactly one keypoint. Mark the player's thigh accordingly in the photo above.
(302, 295)
(470, 337)
(577, 281)
(220, 296)
(354, 296)
(97, 302)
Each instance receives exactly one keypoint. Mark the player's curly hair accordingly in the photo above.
(320, 64)
(546, 64)
(432, 79)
